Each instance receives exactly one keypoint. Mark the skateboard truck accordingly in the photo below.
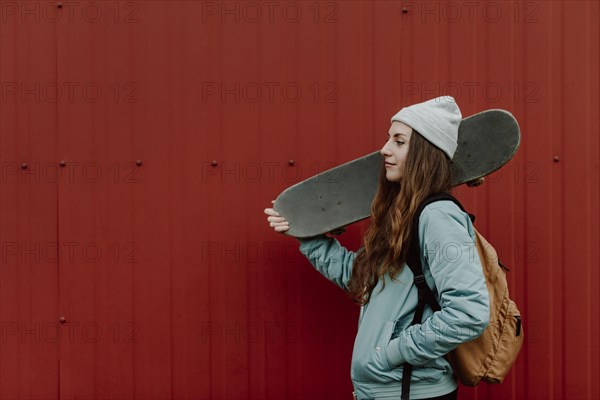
(338, 231)
(476, 182)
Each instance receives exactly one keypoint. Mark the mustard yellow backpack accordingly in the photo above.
(489, 357)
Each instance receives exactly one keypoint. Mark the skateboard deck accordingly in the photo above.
(343, 195)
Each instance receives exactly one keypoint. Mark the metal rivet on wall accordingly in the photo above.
(138, 162)
(556, 159)
(59, 5)
(404, 10)
(213, 163)
(23, 165)
(291, 162)
(62, 320)
(63, 163)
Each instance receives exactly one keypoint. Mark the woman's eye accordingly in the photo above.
(399, 142)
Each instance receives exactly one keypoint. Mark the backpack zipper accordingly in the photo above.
(503, 266)
(518, 317)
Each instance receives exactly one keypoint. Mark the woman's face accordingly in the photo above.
(395, 150)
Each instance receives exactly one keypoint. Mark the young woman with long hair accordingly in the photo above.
(417, 155)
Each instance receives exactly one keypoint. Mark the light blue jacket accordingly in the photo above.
(385, 339)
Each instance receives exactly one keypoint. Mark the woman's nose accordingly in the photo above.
(384, 150)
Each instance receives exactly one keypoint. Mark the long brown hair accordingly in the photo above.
(427, 170)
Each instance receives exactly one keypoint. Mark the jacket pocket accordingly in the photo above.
(369, 359)
(385, 338)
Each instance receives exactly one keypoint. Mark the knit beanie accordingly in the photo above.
(437, 120)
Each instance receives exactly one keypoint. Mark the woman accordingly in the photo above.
(417, 163)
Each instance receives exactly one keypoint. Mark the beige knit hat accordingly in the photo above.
(437, 120)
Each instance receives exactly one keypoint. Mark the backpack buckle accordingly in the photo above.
(419, 279)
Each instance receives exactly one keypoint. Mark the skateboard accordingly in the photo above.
(342, 195)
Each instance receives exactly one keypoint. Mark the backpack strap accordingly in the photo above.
(425, 294)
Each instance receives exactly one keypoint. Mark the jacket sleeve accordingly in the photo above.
(454, 264)
(330, 258)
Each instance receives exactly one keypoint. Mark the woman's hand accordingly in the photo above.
(281, 225)
(276, 222)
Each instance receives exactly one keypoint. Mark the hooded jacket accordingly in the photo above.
(385, 339)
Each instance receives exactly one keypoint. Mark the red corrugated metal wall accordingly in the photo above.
(132, 267)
